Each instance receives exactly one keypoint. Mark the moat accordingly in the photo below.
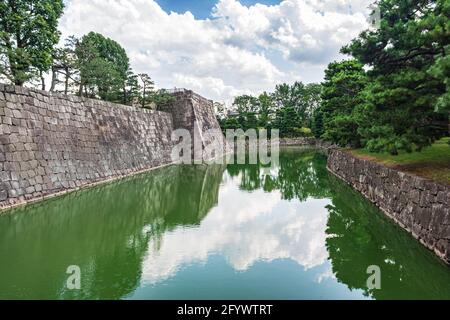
(292, 231)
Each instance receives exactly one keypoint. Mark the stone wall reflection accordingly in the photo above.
(142, 231)
(359, 235)
(103, 230)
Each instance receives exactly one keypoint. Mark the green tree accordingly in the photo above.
(265, 110)
(341, 93)
(287, 121)
(147, 88)
(131, 90)
(297, 97)
(28, 33)
(65, 64)
(317, 123)
(161, 97)
(441, 70)
(290, 108)
(247, 108)
(286, 99)
(232, 123)
(406, 102)
(295, 105)
(104, 67)
(311, 98)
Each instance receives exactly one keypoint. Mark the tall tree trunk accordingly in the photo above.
(54, 78)
(41, 74)
(143, 97)
(66, 84)
(80, 90)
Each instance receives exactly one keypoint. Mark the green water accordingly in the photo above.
(216, 232)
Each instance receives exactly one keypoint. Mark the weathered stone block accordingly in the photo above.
(421, 206)
(3, 194)
(61, 142)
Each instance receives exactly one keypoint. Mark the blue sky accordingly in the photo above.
(201, 9)
(223, 48)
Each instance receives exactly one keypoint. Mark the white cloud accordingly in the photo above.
(240, 50)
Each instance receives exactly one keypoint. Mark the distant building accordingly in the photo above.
(232, 113)
(375, 16)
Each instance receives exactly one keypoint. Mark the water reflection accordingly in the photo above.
(296, 177)
(105, 231)
(359, 236)
(241, 231)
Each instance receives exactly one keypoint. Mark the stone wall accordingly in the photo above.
(53, 143)
(181, 109)
(420, 206)
(196, 114)
(298, 141)
(306, 141)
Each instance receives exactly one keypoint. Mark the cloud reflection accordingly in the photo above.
(245, 228)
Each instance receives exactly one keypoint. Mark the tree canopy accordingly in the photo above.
(341, 92)
(289, 109)
(104, 67)
(100, 68)
(28, 34)
(405, 103)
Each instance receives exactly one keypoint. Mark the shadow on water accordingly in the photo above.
(107, 231)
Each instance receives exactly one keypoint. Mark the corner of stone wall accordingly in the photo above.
(192, 112)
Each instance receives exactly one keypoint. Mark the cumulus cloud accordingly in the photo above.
(238, 50)
(304, 31)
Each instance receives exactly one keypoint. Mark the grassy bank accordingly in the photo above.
(432, 163)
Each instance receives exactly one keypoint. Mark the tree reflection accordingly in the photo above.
(107, 231)
(301, 174)
(361, 236)
(104, 230)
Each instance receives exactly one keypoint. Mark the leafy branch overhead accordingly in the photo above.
(28, 34)
(402, 101)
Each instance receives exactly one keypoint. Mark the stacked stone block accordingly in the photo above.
(194, 113)
(51, 143)
(420, 206)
